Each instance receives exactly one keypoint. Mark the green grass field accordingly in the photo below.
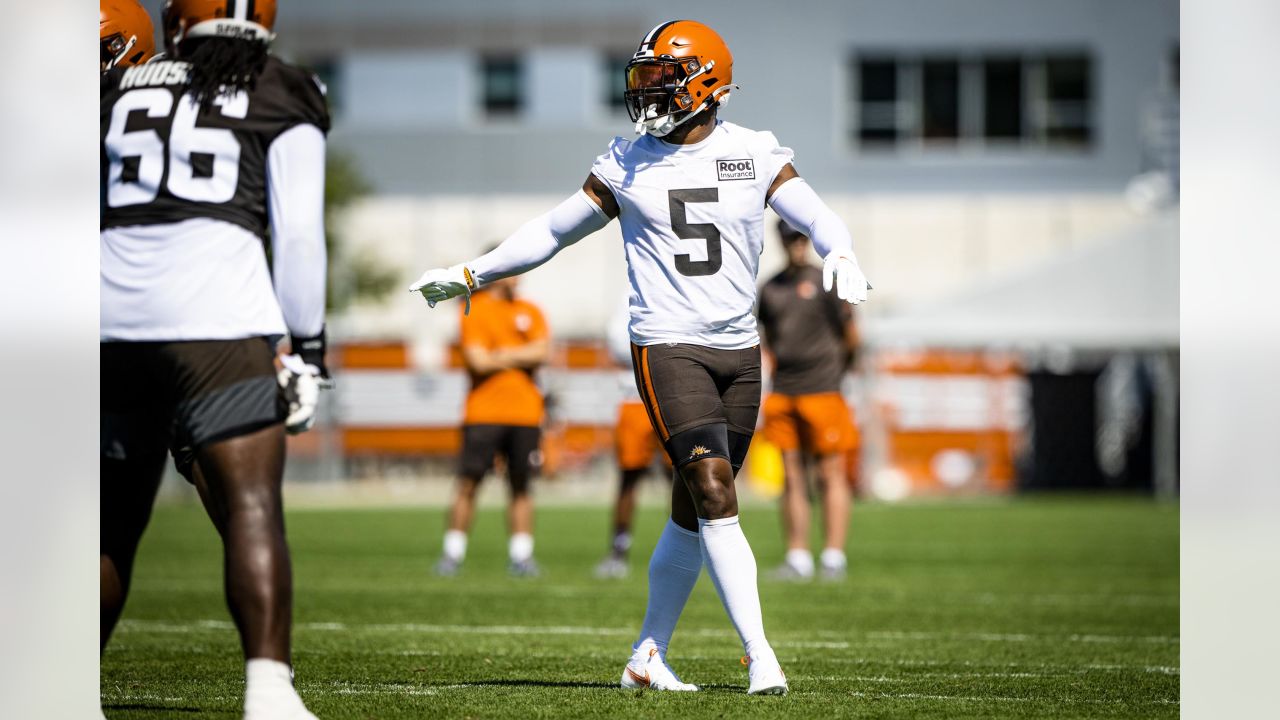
(1053, 607)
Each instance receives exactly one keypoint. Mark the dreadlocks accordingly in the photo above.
(222, 66)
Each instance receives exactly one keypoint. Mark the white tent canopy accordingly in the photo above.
(1119, 293)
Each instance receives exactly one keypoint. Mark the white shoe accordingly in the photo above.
(612, 568)
(766, 676)
(654, 673)
(288, 710)
(279, 703)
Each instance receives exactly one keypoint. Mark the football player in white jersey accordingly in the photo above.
(203, 155)
(690, 194)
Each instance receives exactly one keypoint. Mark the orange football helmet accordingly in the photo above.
(243, 19)
(125, 34)
(681, 68)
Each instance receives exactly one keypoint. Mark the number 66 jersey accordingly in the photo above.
(188, 196)
(693, 229)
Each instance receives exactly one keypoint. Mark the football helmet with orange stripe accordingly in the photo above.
(125, 34)
(243, 19)
(681, 68)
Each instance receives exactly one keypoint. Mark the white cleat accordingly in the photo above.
(295, 712)
(654, 673)
(277, 706)
(766, 676)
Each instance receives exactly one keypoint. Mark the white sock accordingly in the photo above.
(520, 547)
(621, 543)
(801, 561)
(455, 545)
(732, 568)
(673, 571)
(833, 558)
(268, 688)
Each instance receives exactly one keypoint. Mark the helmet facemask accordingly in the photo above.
(657, 95)
(115, 48)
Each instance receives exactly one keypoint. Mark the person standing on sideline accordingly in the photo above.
(812, 339)
(504, 341)
(635, 444)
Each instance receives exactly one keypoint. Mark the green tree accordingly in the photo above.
(353, 276)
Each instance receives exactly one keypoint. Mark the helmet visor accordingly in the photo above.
(657, 84)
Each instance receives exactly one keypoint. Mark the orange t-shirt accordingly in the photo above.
(508, 397)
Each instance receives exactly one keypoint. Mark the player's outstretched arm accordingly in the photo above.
(792, 198)
(295, 205)
(536, 242)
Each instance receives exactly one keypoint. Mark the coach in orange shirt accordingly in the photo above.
(504, 340)
(810, 336)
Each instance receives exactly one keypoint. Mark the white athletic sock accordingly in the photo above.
(455, 545)
(520, 547)
(673, 571)
(833, 559)
(268, 689)
(621, 543)
(801, 561)
(732, 568)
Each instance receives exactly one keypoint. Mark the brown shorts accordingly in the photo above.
(702, 402)
(519, 445)
(184, 395)
(821, 423)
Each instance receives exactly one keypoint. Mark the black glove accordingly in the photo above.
(312, 350)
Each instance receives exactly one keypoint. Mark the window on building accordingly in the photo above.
(940, 101)
(1066, 100)
(878, 102)
(1001, 99)
(615, 81)
(502, 81)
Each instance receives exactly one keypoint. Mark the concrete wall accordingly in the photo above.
(792, 60)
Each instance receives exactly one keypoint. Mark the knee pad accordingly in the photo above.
(699, 443)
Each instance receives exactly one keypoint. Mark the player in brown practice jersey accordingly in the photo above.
(205, 155)
(811, 338)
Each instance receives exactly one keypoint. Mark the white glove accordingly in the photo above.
(300, 383)
(444, 283)
(840, 268)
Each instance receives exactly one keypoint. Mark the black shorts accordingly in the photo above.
(702, 402)
(519, 445)
(184, 395)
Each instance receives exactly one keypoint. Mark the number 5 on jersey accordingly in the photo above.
(676, 200)
(203, 163)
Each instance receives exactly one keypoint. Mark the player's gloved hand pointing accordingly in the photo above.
(840, 269)
(444, 283)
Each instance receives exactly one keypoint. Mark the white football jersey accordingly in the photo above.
(693, 229)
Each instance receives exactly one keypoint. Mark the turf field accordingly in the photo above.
(1057, 607)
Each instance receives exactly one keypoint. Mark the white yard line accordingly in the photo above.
(1001, 698)
(162, 626)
